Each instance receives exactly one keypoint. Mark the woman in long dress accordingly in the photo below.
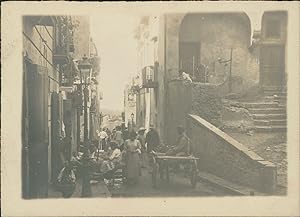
(132, 148)
(119, 136)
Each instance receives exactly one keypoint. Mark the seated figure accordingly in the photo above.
(113, 161)
(182, 147)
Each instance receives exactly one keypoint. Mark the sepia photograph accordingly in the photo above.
(155, 104)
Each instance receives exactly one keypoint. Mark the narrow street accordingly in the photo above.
(178, 186)
(88, 112)
(156, 108)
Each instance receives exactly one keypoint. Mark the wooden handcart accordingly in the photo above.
(162, 162)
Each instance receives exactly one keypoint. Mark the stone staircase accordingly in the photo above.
(269, 113)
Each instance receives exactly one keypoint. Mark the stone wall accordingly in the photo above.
(223, 156)
(206, 101)
(196, 98)
(178, 101)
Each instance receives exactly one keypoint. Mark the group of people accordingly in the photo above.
(117, 135)
(126, 149)
(133, 150)
(130, 151)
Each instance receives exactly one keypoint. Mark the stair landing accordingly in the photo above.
(269, 114)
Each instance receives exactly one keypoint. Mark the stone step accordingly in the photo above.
(275, 90)
(275, 98)
(280, 122)
(261, 105)
(281, 105)
(270, 128)
(280, 97)
(267, 110)
(278, 88)
(275, 94)
(269, 116)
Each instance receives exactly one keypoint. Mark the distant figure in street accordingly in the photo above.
(119, 136)
(103, 138)
(132, 148)
(141, 138)
(152, 139)
(113, 134)
(125, 134)
(108, 134)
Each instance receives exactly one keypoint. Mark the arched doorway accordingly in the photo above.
(204, 38)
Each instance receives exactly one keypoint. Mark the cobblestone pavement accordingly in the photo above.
(98, 190)
(178, 186)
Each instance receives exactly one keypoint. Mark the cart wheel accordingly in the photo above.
(154, 174)
(194, 179)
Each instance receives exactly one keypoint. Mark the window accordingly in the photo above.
(273, 29)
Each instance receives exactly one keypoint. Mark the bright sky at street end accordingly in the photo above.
(113, 35)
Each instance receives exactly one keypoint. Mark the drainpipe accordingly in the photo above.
(230, 75)
(165, 79)
(78, 129)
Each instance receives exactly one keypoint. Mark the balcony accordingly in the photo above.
(150, 84)
(149, 79)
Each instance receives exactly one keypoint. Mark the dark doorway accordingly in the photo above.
(272, 66)
(37, 83)
(189, 57)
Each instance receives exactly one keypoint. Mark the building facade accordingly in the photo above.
(52, 98)
(217, 50)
